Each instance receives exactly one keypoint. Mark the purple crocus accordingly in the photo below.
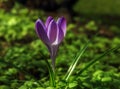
(51, 33)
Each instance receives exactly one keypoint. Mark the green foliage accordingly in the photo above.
(99, 7)
(18, 21)
(23, 55)
(91, 25)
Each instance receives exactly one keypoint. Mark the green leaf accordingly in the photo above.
(77, 59)
(106, 79)
(98, 58)
(51, 73)
(72, 85)
(50, 88)
(4, 87)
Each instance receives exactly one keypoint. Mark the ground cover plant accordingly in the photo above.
(23, 55)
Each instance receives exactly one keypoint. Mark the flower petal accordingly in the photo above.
(60, 36)
(62, 23)
(41, 31)
(52, 31)
(48, 21)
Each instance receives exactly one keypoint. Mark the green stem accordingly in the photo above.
(51, 73)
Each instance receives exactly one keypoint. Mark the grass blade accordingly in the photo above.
(74, 63)
(96, 59)
(77, 59)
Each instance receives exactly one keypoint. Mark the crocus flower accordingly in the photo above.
(51, 33)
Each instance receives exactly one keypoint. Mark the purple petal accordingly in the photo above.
(62, 23)
(52, 31)
(49, 19)
(60, 36)
(41, 31)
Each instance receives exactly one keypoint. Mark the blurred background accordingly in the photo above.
(20, 46)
